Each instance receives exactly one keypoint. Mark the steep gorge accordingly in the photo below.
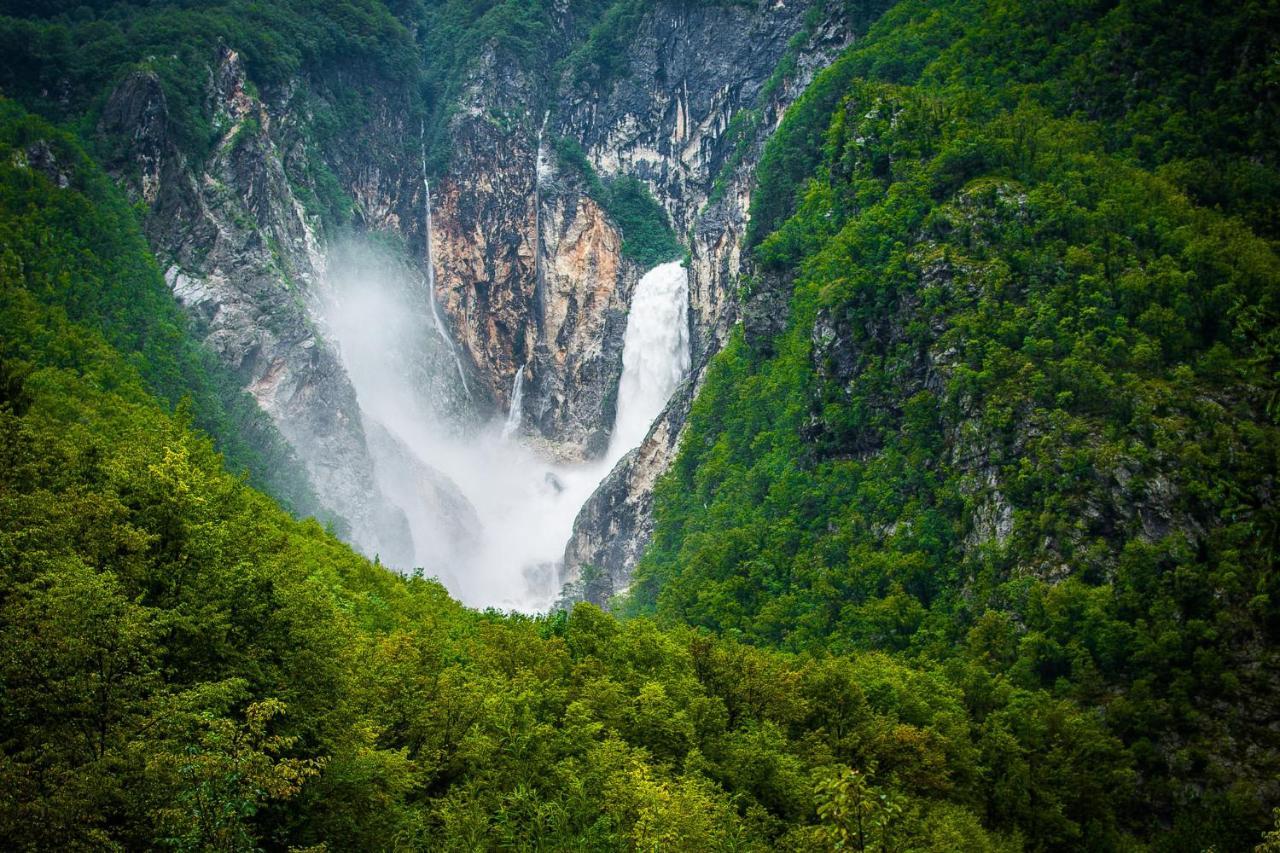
(933, 492)
(697, 144)
(523, 267)
(685, 108)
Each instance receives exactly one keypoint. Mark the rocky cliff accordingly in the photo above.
(241, 254)
(244, 247)
(531, 269)
(585, 285)
(718, 80)
(529, 272)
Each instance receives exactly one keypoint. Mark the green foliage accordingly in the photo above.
(1178, 90)
(855, 815)
(186, 666)
(744, 127)
(78, 250)
(62, 65)
(598, 60)
(647, 237)
(223, 773)
(1022, 417)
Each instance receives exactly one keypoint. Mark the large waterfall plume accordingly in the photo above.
(488, 515)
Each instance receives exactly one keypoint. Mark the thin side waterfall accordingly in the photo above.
(431, 283)
(516, 412)
(539, 277)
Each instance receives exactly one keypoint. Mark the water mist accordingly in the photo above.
(487, 514)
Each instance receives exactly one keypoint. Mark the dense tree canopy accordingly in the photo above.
(976, 553)
(1023, 416)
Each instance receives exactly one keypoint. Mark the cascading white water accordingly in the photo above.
(516, 412)
(536, 525)
(536, 521)
(487, 514)
(540, 168)
(431, 282)
(655, 353)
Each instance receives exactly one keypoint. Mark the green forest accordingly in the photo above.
(974, 550)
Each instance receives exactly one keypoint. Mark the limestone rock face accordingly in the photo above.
(521, 268)
(529, 269)
(706, 65)
(616, 524)
(244, 258)
(585, 286)
(483, 244)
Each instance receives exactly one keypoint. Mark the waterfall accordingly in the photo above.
(539, 500)
(515, 413)
(539, 277)
(655, 353)
(484, 507)
(431, 283)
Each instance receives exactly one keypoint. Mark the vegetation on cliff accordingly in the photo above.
(70, 242)
(1023, 417)
(976, 553)
(647, 237)
(61, 59)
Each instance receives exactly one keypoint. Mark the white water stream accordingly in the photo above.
(498, 539)
(516, 412)
(655, 354)
(431, 285)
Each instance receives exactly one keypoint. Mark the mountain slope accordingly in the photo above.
(183, 665)
(970, 540)
(1005, 388)
(71, 242)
